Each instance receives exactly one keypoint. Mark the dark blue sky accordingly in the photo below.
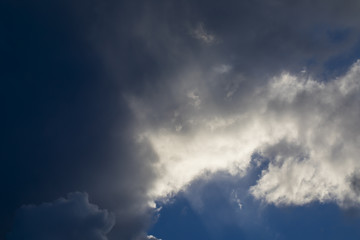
(111, 106)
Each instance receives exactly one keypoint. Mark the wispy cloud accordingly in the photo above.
(203, 35)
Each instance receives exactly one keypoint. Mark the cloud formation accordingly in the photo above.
(306, 129)
(72, 218)
(199, 107)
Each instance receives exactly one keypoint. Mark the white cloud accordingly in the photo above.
(151, 237)
(234, 198)
(325, 117)
(309, 130)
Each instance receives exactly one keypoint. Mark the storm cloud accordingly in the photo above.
(71, 218)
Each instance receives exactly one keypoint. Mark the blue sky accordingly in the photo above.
(138, 120)
(220, 218)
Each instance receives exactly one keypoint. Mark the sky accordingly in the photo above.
(188, 119)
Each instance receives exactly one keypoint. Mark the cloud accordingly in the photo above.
(326, 139)
(72, 218)
(355, 182)
(201, 109)
(307, 129)
(151, 237)
(201, 34)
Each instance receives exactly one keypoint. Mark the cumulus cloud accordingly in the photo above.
(326, 138)
(306, 129)
(70, 218)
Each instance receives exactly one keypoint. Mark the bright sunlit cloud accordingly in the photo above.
(306, 129)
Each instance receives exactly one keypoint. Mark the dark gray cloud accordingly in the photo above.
(259, 37)
(67, 127)
(72, 218)
(355, 182)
